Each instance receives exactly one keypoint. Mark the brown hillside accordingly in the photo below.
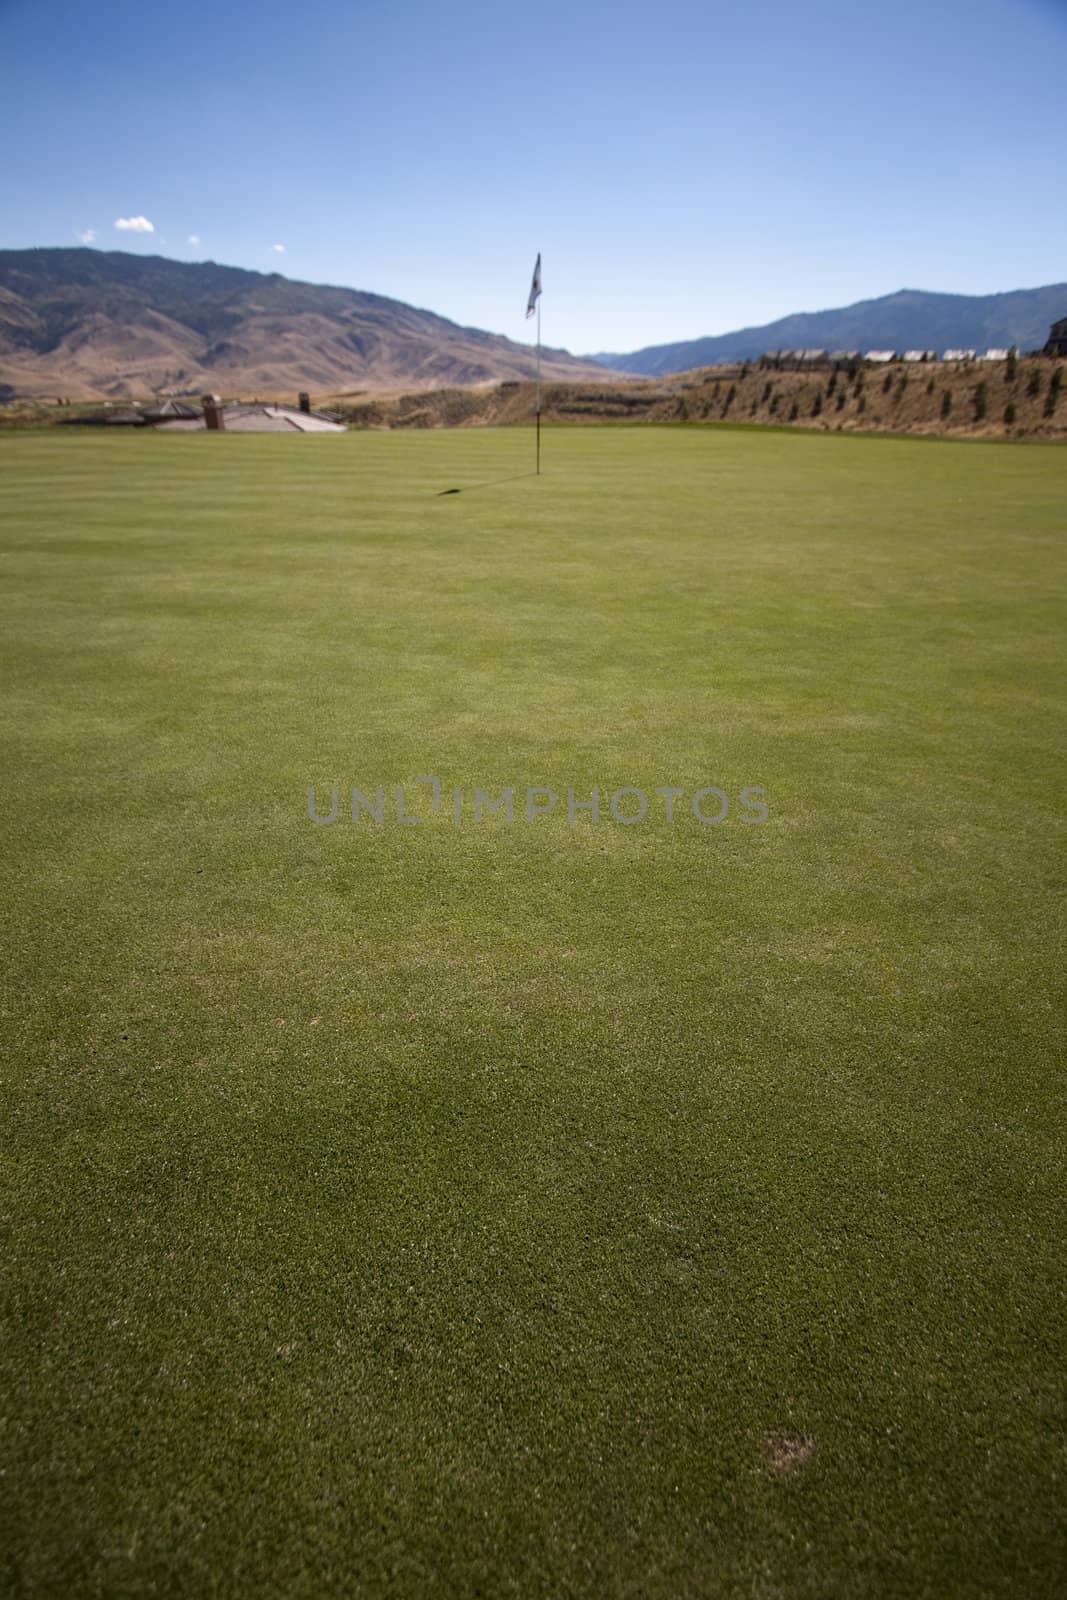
(90, 324)
(940, 399)
(897, 398)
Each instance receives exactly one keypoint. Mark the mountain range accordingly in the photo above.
(911, 319)
(93, 324)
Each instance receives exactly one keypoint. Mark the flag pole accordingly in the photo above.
(538, 385)
(533, 304)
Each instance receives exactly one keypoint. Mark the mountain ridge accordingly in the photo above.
(913, 319)
(112, 324)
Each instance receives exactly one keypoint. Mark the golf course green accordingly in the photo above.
(564, 1208)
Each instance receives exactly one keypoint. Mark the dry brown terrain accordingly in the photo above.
(957, 399)
(105, 362)
(96, 325)
(972, 400)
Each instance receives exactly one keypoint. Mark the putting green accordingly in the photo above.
(541, 1208)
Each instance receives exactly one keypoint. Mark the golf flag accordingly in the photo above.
(535, 288)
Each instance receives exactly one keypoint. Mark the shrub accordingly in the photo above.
(1010, 364)
(1033, 388)
(1009, 413)
(888, 384)
(794, 412)
(931, 385)
(817, 405)
(946, 402)
(979, 402)
(842, 397)
(1053, 391)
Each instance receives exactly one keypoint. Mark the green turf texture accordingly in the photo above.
(436, 1210)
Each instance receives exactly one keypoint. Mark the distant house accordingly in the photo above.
(250, 417)
(1057, 339)
(277, 419)
(960, 355)
(920, 355)
(791, 359)
(844, 355)
(994, 355)
(880, 355)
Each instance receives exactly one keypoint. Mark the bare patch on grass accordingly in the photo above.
(787, 1451)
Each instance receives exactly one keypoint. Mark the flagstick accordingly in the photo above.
(539, 384)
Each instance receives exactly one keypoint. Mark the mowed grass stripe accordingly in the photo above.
(532, 1209)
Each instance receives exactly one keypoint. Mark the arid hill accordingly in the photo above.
(1024, 399)
(971, 400)
(93, 324)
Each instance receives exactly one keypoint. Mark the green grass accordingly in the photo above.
(457, 1210)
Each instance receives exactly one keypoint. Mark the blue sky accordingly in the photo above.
(685, 168)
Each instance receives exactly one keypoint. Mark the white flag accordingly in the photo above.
(535, 288)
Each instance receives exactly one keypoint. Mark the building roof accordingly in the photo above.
(256, 417)
(165, 409)
(276, 419)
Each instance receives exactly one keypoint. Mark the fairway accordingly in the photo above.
(545, 1208)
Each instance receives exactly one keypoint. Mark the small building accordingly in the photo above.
(254, 416)
(880, 355)
(276, 419)
(960, 355)
(994, 355)
(1057, 339)
(790, 360)
(920, 355)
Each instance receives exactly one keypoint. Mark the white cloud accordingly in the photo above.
(87, 236)
(279, 249)
(134, 225)
(194, 238)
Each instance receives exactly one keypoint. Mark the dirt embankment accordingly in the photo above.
(991, 400)
(1026, 399)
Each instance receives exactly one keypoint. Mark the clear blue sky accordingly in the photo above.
(686, 168)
